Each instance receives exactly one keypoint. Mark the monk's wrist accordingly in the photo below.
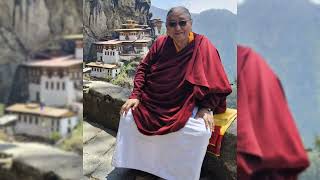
(206, 109)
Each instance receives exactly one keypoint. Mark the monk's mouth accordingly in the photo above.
(178, 33)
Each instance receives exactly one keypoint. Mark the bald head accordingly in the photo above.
(182, 9)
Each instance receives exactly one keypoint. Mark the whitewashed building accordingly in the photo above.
(135, 47)
(146, 33)
(79, 49)
(101, 70)
(108, 51)
(55, 82)
(134, 40)
(131, 31)
(130, 34)
(7, 124)
(78, 40)
(42, 121)
(157, 27)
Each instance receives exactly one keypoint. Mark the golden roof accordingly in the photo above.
(64, 61)
(33, 108)
(130, 20)
(156, 20)
(110, 42)
(73, 37)
(102, 65)
(130, 29)
(136, 41)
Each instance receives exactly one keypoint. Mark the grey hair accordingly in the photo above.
(182, 8)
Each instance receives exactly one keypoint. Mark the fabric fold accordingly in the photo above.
(191, 75)
(269, 145)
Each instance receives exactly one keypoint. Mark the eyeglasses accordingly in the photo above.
(175, 23)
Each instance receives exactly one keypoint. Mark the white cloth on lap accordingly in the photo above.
(174, 156)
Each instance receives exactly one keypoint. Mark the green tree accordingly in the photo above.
(317, 143)
(1, 109)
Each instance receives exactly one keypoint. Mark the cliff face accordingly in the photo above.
(101, 17)
(27, 26)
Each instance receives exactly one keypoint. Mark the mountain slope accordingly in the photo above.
(286, 34)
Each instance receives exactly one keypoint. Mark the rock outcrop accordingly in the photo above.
(33, 161)
(102, 105)
(29, 26)
(101, 17)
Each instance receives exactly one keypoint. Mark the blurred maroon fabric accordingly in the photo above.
(170, 84)
(269, 144)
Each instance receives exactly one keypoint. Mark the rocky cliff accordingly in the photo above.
(28, 26)
(101, 17)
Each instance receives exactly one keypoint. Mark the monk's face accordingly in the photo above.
(179, 25)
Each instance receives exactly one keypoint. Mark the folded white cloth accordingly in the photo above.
(174, 156)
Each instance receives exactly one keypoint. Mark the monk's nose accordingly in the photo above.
(178, 27)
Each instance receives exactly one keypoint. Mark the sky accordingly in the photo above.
(196, 6)
(241, 1)
(315, 1)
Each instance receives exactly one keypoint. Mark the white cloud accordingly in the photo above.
(241, 1)
(315, 1)
(196, 6)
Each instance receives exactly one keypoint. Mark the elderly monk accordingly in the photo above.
(167, 121)
(269, 146)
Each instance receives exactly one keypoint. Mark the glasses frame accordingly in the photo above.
(181, 23)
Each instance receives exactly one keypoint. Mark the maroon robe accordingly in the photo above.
(170, 84)
(269, 145)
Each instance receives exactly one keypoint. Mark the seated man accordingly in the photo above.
(167, 121)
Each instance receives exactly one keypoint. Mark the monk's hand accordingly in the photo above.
(130, 103)
(205, 114)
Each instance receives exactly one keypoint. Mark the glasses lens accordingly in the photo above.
(182, 23)
(172, 24)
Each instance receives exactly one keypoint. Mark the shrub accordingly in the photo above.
(55, 136)
(74, 143)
